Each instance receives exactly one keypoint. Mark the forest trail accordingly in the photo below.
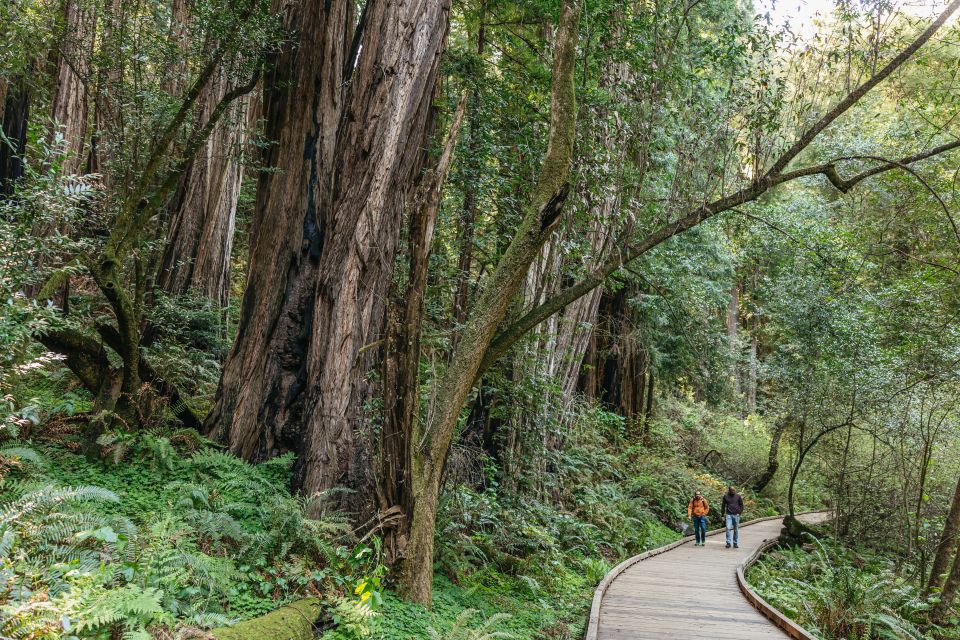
(688, 593)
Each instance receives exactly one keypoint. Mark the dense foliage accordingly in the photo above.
(411, 303)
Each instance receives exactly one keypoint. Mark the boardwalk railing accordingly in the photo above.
(777, 617)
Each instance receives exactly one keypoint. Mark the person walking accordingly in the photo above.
(697, 511)
(732, 508)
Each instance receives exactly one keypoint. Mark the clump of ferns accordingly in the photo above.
(13, 454)
(46, 533)
(236, 503)
(192, 582)
(850, 603)
(462, 629)
(160, 446)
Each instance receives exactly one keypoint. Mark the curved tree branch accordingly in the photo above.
(538, 314)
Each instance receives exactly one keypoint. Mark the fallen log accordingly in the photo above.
(294, 621)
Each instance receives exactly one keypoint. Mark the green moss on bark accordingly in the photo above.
(291, 622)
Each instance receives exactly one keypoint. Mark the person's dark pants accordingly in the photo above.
(700, 528)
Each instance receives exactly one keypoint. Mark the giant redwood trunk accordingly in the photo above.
(621, 361)
(351, 117)
(70, 94)
(203, 212)
(563, 338)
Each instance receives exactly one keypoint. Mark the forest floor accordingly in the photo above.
(200, 538)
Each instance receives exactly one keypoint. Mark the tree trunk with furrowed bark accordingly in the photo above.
(14, 117)
(352, 118)
(70, 109)
(203, 211)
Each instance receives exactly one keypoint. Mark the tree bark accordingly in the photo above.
(648, 412)
(203, 212)
(943, 609)
(432, 438)
(733, 335)
(351, 117)
(401, 359)
(621, 361)
(773, 457)
(16, 115)
(69, 108)
(947, 545)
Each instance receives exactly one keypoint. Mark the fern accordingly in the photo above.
(461, 631)
(353, 618)
(49, 498)
(94, 607)
(19, 454)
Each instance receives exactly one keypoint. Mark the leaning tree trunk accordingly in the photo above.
(943, 609)
(432, 437)
(203, 212)
(350, 139)
(948, 543)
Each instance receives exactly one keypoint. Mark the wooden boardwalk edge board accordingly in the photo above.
(778, 618)
(773, 614)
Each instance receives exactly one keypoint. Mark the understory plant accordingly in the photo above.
(839, 593)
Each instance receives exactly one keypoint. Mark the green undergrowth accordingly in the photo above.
(839, 593)
(163, 532)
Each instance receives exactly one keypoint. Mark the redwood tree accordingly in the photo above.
(348, 104)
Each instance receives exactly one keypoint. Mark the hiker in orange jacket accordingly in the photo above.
(697, 510)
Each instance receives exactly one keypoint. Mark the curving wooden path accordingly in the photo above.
(684, 592)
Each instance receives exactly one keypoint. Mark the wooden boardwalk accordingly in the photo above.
(687, 593)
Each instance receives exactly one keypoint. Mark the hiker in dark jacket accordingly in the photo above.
(732, 508)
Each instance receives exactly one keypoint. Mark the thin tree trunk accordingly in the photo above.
(401, 361)
(948, 543)
(773, 456)
(914, 530)
(350, 142)
(648, 412)
(431, 439)
(473, 168)
(733, 335)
